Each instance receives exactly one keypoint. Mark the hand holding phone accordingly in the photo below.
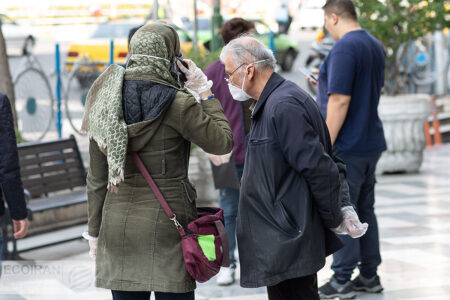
(309, 75)
(177, 73)
(196, 79)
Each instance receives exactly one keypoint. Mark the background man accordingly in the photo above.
(350, 82)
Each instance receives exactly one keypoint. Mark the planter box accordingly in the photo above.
(403, 118)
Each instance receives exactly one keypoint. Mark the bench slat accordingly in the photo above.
(52, 179)
(49, 169)
(36, 160)
(27, 149)
(38, 191)
(58, 200)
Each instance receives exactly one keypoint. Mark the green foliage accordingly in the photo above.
(19, 137)
(396, 22)
(202, 58)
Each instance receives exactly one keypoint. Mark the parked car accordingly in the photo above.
(18, 38)
(203, 30)
(311, 14)
(95, 52)
(286, 51)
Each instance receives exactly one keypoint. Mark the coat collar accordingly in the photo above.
(275, 81)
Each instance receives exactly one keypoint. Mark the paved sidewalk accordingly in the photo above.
(414, 219)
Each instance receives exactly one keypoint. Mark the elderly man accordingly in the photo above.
(290, 190)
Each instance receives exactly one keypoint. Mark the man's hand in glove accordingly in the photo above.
(350, 224)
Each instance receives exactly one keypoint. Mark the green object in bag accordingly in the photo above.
(206, 242)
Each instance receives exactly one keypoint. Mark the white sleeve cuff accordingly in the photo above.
(86, 236)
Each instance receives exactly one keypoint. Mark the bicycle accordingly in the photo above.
(415, 62)
(80, 78)
(35, 101)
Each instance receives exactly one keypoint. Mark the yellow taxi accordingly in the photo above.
(92, 56)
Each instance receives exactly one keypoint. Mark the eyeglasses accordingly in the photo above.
(227, 79)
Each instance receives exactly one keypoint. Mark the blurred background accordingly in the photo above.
(57, 48)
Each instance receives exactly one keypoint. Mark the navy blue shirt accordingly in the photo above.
(355, 67)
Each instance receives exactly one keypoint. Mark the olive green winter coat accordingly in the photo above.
(139, 248)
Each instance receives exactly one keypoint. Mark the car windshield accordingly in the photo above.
(113, 30)
(203, 24)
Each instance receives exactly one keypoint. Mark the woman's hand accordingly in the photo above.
(93, 243)
(196, 79)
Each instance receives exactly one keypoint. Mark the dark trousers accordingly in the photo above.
(301, 288)
(363, 252)
(126, 295)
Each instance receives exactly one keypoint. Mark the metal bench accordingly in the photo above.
(54, 179)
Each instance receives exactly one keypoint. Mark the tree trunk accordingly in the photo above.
(6, 84)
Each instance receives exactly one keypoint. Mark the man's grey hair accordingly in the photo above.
(247, 49)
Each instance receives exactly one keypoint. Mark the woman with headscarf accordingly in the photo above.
(143, 108)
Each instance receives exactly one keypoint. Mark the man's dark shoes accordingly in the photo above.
(333, 289)
(371, 285)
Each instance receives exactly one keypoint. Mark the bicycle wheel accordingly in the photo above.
(34, 104)
(75, 98)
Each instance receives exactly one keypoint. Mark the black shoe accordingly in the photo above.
(333, 289)
(371, 285)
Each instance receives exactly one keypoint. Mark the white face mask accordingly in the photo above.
(239, 94)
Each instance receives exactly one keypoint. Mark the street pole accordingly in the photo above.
(111, 52)
(216, 24)
(441, 56)
(155, 10)
(194, 38)
(58, 90)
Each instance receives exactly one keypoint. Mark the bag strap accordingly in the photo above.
(151, 182)
(224, 238)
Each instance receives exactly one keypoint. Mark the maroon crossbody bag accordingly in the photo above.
(209, 222)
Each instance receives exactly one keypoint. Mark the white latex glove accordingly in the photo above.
(350, 224)
(93, 242)
(217, 160)
(197, 82)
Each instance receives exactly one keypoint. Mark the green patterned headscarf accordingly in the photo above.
(156, 39)
(103, 118)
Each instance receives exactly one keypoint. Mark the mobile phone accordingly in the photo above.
(308, 74)
(183, 62)
(179, 76)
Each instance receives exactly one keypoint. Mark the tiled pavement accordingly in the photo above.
(414, 220)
